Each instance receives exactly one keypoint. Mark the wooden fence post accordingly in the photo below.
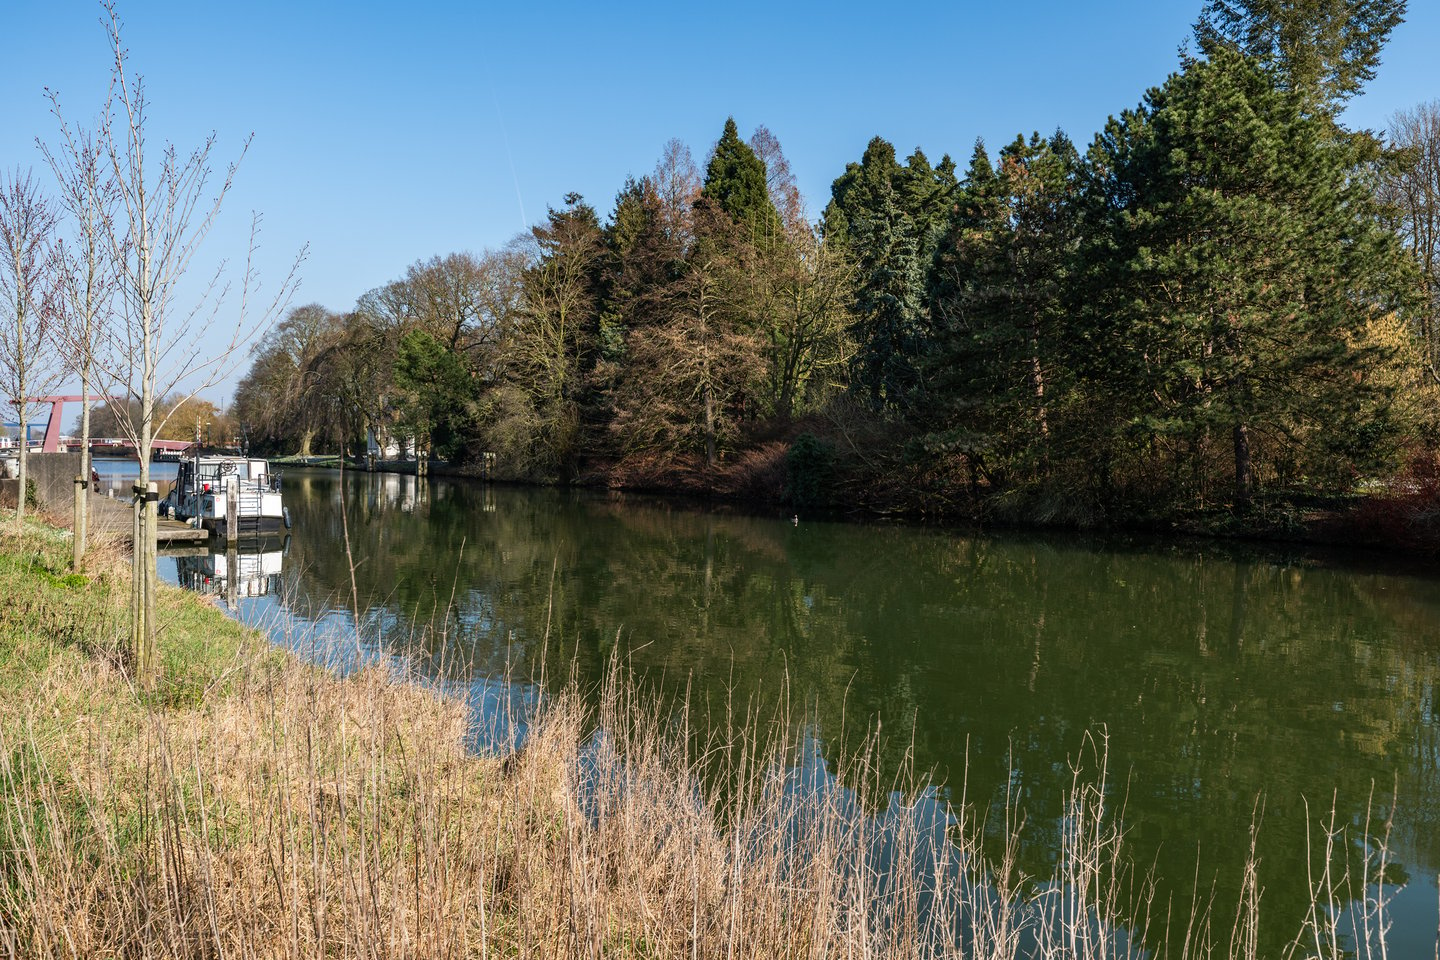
(78, 551)
(232, 509)
(152, 525)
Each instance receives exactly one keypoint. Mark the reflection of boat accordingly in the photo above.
(231, 575)
(205, 483)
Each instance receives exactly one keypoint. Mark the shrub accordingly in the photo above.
(809, 471)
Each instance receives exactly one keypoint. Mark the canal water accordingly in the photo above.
(118, 473)
(1232, 685)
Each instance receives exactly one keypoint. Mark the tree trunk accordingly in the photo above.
(24, 460)
(710, 451)
(82, 506)
(1242, 468)
(1037, 390)
(1037, 386)
(137, 595)
(142, 553)
(151, 516)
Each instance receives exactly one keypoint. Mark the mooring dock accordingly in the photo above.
(114, 516)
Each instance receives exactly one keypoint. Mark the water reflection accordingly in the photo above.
(1231, 686)
(248, 569)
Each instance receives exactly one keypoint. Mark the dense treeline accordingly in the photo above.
(1228, 295)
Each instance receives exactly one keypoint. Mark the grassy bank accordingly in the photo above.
(256, 806)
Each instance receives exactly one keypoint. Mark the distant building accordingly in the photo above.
(386, 447)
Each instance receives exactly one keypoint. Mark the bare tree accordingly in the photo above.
(87, 276)
(809, 346)
(166, 206)
(698, 352)
(466, 302)
(1412, 188)
(677, 182)
(275, 397)
(780, 183)
(27, 277)
(446, 294)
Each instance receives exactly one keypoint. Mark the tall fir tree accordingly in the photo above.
(1243, 269)
(1000, 310)
(887, 219)
(735, 184)
(1323, 50)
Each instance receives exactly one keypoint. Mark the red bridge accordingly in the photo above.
(54, 443)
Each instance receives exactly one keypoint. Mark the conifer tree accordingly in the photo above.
(999, 301)
(554, 345)
(1243, 267)
(888, 219)
(642, 264)
(735, 184)
(629, 223)
(928, 196)
(436, 392)
(1324, 50)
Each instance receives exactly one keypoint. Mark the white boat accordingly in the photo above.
(204, 484)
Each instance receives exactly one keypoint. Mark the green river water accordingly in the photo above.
(1223, 679)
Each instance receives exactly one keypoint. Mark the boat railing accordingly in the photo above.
(218, 481)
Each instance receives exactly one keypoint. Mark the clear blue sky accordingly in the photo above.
(387, 133)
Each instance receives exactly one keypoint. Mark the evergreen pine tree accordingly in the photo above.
(1244, 263)
(1000, 313)
(1324, 50)
(735, 183)
(888, 219)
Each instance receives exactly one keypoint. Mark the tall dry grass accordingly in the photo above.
(305, 816)
(291, 813)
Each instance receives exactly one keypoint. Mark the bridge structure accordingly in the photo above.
(55, 443)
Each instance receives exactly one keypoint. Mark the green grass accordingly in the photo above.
(52, 609)
(57, 623)
(320, 460)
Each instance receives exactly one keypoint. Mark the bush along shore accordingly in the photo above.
(808, 473)
(256, 805)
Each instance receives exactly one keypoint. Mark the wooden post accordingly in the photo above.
(152, 525)
(137, 597)
(142, 593)
(81, 492)
(232, 509)
(232, 575)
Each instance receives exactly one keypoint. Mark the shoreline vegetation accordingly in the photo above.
(253, 804)
(1401, 516)
(1221, 316)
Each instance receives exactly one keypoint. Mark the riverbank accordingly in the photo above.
(1402, 516)
(255, 805)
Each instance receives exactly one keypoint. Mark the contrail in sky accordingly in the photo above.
(524, 223)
